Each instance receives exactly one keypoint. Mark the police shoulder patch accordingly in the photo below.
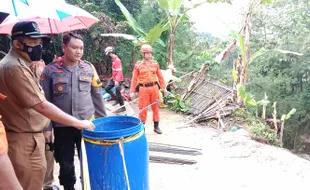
(87, 62)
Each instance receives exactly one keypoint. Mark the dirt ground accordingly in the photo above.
(230, 160)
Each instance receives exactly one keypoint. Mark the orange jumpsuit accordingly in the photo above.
(3, 139)
(147, 74)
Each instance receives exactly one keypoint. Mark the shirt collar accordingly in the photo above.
(14, 53)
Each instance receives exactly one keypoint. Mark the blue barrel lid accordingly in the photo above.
(114, 127)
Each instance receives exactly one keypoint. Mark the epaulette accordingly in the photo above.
(87, 62)
(21, 61)
(154, 61)
(58, 61)
(138, 64)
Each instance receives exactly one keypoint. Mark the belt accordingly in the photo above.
(148, 84)
(10, 131)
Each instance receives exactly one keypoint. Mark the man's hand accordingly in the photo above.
(48, 135)
(116, 84)
(132, 95)
(86, 124)
(165, 92)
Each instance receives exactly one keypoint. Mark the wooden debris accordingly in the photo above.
(170, 160)
(174, 149)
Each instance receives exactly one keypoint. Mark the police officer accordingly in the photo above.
(148, 77)
(25, 112)
(117, 78)
(72, 85)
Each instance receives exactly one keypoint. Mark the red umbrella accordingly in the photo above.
(51, 18)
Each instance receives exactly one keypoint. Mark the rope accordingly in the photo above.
(112, 142)
(121, 150)
(132, 101)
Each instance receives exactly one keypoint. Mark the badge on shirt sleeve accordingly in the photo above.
(42, 77)
(60, 88)
(2, 96)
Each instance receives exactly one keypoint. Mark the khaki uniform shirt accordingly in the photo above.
(21, 86)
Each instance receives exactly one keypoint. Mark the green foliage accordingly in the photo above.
(132, 22)
(241, 113)
(177, 104)
(266, 2)
(247, 97)
(287, 116)
(283, 74)
(152, 36)
(279, 46)
(260, 130)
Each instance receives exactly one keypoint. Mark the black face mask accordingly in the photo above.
(34, 53)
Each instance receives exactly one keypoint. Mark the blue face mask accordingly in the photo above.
(34, 53)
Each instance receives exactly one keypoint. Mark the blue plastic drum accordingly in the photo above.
(107, 168)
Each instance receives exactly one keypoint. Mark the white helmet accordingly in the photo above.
(108, 50)
(172, 68)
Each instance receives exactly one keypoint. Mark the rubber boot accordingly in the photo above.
(156, 128)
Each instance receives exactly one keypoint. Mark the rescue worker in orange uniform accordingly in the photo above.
(117, 79)
(148, 78)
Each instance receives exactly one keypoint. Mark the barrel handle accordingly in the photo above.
(121, 150)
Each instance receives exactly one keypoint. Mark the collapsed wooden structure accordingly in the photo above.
(208, 99)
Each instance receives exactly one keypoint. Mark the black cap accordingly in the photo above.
(27, 29)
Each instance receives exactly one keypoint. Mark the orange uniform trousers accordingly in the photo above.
(3, 140)
(26, 152)
(148, 95)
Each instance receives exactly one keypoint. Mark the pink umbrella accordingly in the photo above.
(74, 18)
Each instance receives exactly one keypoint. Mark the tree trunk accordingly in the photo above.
(281, 133)
(246, 34)
(171, 46)
(132, 61)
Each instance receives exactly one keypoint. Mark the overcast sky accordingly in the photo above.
(219, 19)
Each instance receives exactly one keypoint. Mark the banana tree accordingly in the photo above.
(283, 119)
(176, 14)
(141, 37)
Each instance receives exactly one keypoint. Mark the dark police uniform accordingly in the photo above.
(77, 91)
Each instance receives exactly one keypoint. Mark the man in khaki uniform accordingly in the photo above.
(25, 111)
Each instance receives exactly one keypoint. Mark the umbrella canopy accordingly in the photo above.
(34, 8)
(51, 18)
